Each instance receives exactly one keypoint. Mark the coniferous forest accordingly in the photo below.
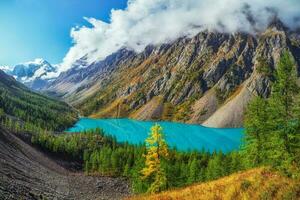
(27, 109)
(272, 136)
(272, 129)
(272, 139)
(103, 155)
(154, 100)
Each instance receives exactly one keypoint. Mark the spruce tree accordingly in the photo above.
(283, 97)
(272, 126)
(215, 168)
(193, 171)
(2, 114)
(282, 112)
(256, 130)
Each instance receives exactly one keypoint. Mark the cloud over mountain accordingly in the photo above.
(146, 22)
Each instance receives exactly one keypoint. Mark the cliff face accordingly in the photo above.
(207, 79)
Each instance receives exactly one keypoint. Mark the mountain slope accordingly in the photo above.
(205, 79)
(26, 173)
(253, 184)
(81, 80)
(19, 102)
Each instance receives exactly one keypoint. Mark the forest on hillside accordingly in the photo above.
(272, 138)
(27, 109)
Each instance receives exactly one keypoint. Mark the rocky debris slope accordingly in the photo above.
(26, 173)
(208, 78)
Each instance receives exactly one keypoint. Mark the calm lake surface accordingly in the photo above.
(182, 136)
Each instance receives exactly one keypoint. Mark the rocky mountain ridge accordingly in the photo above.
(34, 74)
(207, 79)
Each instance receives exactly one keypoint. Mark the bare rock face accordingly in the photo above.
(204, 107)
(204, 79)
(26, 173)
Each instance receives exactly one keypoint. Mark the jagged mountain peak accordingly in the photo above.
(5, 68)
(34, 74)
(277, 24)
(37, 61)
(208, 78)
(31, 66)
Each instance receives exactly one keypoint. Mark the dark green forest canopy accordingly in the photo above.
(101, 154)
(18, 101)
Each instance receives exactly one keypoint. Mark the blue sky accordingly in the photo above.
(32, 29)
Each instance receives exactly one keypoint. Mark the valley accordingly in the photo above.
(27, 172)
(138, 99)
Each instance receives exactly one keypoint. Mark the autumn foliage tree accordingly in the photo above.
(157, 152)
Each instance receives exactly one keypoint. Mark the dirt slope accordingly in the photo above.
(26, 173)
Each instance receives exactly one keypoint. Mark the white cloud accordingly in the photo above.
(146, 22)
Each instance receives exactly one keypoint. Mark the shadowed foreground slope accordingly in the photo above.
(26, 173)
(253, 184)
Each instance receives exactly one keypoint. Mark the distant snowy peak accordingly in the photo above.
(39, 68)
(81, 63)
(37, 61)
(5, 68)
(35, 74)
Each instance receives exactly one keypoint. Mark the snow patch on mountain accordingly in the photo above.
(5, 68)
(34, 74)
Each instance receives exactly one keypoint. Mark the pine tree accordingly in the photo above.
(282, 112)
(256, 127)
(86, 161)
(273, 125)
(215, 166)
(157, 151)
(115, 162)
(193, 169)
(283, 98)
(126, 171)
(295, 139)
(235, 164)
(2, 114)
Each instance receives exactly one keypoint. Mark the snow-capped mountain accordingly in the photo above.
(5, 68)
(34, 74)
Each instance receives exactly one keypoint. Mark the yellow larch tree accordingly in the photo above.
(157, 150)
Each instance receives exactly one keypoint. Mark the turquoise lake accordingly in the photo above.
(182, 136)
